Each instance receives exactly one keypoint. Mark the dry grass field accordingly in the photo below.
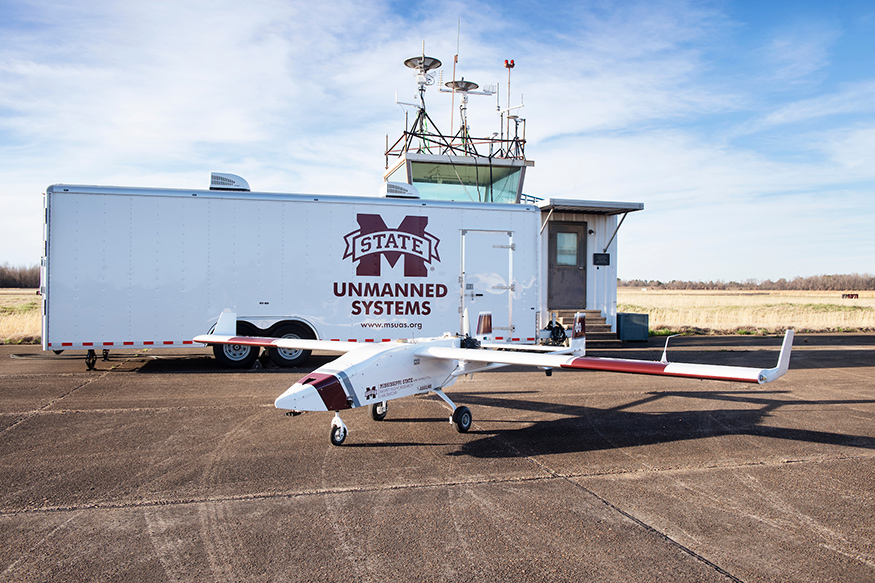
(749, 311)
(723, 312)
(19, 316)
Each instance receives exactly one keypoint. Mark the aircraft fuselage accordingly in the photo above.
(370, 375)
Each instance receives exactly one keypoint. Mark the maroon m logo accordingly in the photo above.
(373, 239)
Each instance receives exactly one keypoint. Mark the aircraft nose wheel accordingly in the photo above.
(338, 435)
(461, 419)
(338, 430)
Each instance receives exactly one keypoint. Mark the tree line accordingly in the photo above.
(20, 276)
(29, 277)
(845, 282)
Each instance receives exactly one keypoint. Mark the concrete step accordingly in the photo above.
(598, 333)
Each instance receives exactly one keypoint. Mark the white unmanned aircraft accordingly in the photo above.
(375, 373)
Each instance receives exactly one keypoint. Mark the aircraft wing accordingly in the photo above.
(226, 328)
(699, 371)
(527, 347)
(290, 343)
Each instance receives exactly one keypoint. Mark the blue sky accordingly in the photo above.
(746, 128)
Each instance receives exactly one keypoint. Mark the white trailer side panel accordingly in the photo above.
(151, 268)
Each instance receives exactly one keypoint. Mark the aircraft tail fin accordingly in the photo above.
(578, 334)
(227, 324)
(783, 360)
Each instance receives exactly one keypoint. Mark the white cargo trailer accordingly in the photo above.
(152, 268)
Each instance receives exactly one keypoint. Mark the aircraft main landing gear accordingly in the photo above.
(378, 410)
(461, 418)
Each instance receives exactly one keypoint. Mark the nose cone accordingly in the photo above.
(300, 397)
(316, 392)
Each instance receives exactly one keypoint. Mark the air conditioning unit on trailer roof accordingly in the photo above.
(225, 181)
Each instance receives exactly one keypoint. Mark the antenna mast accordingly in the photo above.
(508, 65)
(431, 140)
(422, 65)
(455, 62)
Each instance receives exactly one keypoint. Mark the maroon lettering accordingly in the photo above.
(374, 240)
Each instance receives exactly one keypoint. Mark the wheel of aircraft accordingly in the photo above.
(338, 434)
(462, 419)
(379, 410)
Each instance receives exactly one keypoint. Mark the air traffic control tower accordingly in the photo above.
(578, 237)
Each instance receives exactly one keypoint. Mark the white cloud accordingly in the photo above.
(798, 51)
(623, 103)
(854, 150)
(853, 98)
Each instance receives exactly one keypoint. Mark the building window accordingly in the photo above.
(566, 249)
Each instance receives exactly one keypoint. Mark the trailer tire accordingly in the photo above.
(286, 357)
(238, 355)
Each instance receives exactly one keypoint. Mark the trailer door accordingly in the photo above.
(487, 279)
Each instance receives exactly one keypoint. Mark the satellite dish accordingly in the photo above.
(463, 86)
(422, 63)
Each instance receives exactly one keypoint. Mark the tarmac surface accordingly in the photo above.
(161, 466)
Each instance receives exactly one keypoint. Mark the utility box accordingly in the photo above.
(633, 327)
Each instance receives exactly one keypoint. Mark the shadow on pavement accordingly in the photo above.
(591, 429)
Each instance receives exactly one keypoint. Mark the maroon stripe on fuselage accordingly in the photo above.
(329, 388)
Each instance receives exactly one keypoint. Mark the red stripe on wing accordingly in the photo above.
(610, 365)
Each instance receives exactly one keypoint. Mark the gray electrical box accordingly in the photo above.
(633, 327)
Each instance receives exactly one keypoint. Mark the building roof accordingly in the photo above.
(592, 207)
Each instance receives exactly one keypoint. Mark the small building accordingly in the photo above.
(579, 254)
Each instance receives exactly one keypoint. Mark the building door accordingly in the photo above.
(487, 279)
(566, 269)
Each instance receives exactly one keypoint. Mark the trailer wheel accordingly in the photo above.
(288, 357)
(238, 355)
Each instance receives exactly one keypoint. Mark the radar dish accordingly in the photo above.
(422, 63)
(463, 86)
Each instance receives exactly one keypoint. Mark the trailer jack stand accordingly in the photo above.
(90, 359)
